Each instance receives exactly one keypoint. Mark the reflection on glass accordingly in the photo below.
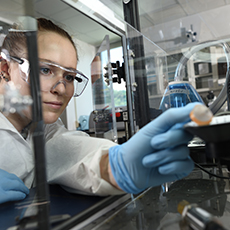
(103, 95)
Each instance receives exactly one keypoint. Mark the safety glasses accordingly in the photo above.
(74, 81)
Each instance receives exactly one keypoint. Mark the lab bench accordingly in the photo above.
(155, 208)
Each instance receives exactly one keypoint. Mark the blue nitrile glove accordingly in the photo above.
(12, 188)
(158, 153)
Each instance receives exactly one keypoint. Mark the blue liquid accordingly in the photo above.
(179, 94)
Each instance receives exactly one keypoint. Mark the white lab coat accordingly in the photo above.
(72, 158)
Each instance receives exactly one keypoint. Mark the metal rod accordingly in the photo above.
(38, 134)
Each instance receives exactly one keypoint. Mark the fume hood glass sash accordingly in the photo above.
(153, 72)
(103, 95)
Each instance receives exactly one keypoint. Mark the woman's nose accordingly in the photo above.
(59, 87)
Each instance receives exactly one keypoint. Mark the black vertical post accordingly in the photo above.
(37, 116)
(38, 136)
(141, 101)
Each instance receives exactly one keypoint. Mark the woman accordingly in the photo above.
(156, 154)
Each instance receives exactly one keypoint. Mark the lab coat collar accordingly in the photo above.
(5, 124)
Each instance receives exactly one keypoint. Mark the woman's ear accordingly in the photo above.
(4, 70)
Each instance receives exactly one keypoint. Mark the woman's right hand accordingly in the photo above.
(12, 187)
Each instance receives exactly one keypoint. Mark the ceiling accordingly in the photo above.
(77, 24)
(168, 10)
(152, 12)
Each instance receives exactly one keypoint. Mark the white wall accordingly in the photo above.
(82, 105)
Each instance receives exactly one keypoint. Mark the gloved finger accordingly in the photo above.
(168, 119)
(15, 185)
(177, 167)
(13, 196)
(165, 156)
(20, 187)
(179, 173)
(170, 138)
(9, 176)
(169, 178)
(4, 173)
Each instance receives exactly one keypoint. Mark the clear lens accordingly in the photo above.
(80, 83)
(48, 77)
(24, 69)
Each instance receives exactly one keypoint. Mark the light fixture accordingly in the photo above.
(98, 11)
